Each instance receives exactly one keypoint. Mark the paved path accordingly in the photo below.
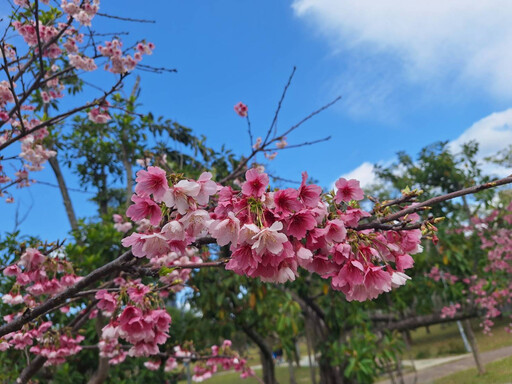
(427, 373)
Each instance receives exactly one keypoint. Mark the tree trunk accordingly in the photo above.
(267, 360)
(291, 370)
(103, 193)
(296, 352)
(474, 346)
(314, 318)
(102, 371)
(312, 362)
(328, 373)
(64, 192)
(125, 156)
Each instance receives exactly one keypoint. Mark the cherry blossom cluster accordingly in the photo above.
(39, 275)
(437, 275)
(490, 290)
(46, 33)
(135, 318)
(222, 357)
(51, 344)
(450, 310)
(83, 11)
(36, 277)
(120, 224)
(62, 51)
(53, 87)
(33, 151)
(99, 114)
(54, 345)
(241, 109)
(118, 62)
(273, 233)
(34, 154)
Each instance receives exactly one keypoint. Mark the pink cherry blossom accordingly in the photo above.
(107, 302)
(270, 239)
(153, 181)
(143, 208)
(226, 231)
(348, 190)
(182, 195)
(256, 183)
(241, 109)
(152, 365)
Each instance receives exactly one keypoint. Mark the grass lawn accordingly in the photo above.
(498, 372)
(445, 340)
(302, 376)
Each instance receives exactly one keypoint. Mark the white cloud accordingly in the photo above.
(466, 42)
(492, 133)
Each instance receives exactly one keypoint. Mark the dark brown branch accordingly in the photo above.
(144, 271)
(424, 320)
(149, 68)
(436, 200)
(63, 116)
(390, 203)
(126, 18)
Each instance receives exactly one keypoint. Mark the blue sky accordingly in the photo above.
(410, 73)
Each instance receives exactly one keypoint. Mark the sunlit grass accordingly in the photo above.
(498, 372)
(444, 340)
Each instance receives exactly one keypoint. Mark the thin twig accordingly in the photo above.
(278, 109)
(126, 18)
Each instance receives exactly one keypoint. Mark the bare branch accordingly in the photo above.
(278, 109)
(126, 18)
(436, 200)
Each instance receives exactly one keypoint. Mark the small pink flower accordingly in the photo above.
(208, 188)
(335, 231)
(12, 270)
(137, 293)
(143, 208)
(31, 259)
(286, 201)
(241, 109)
(170, 364)
(152, 365)
(282, 143)
(300, 223)
(182, 195)
(107, 301)
(309, 194)
(256, 183)
(351, 274)
(269, 239)
(153, 181)
(155, 244)
(226, 231)
(348, 190)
